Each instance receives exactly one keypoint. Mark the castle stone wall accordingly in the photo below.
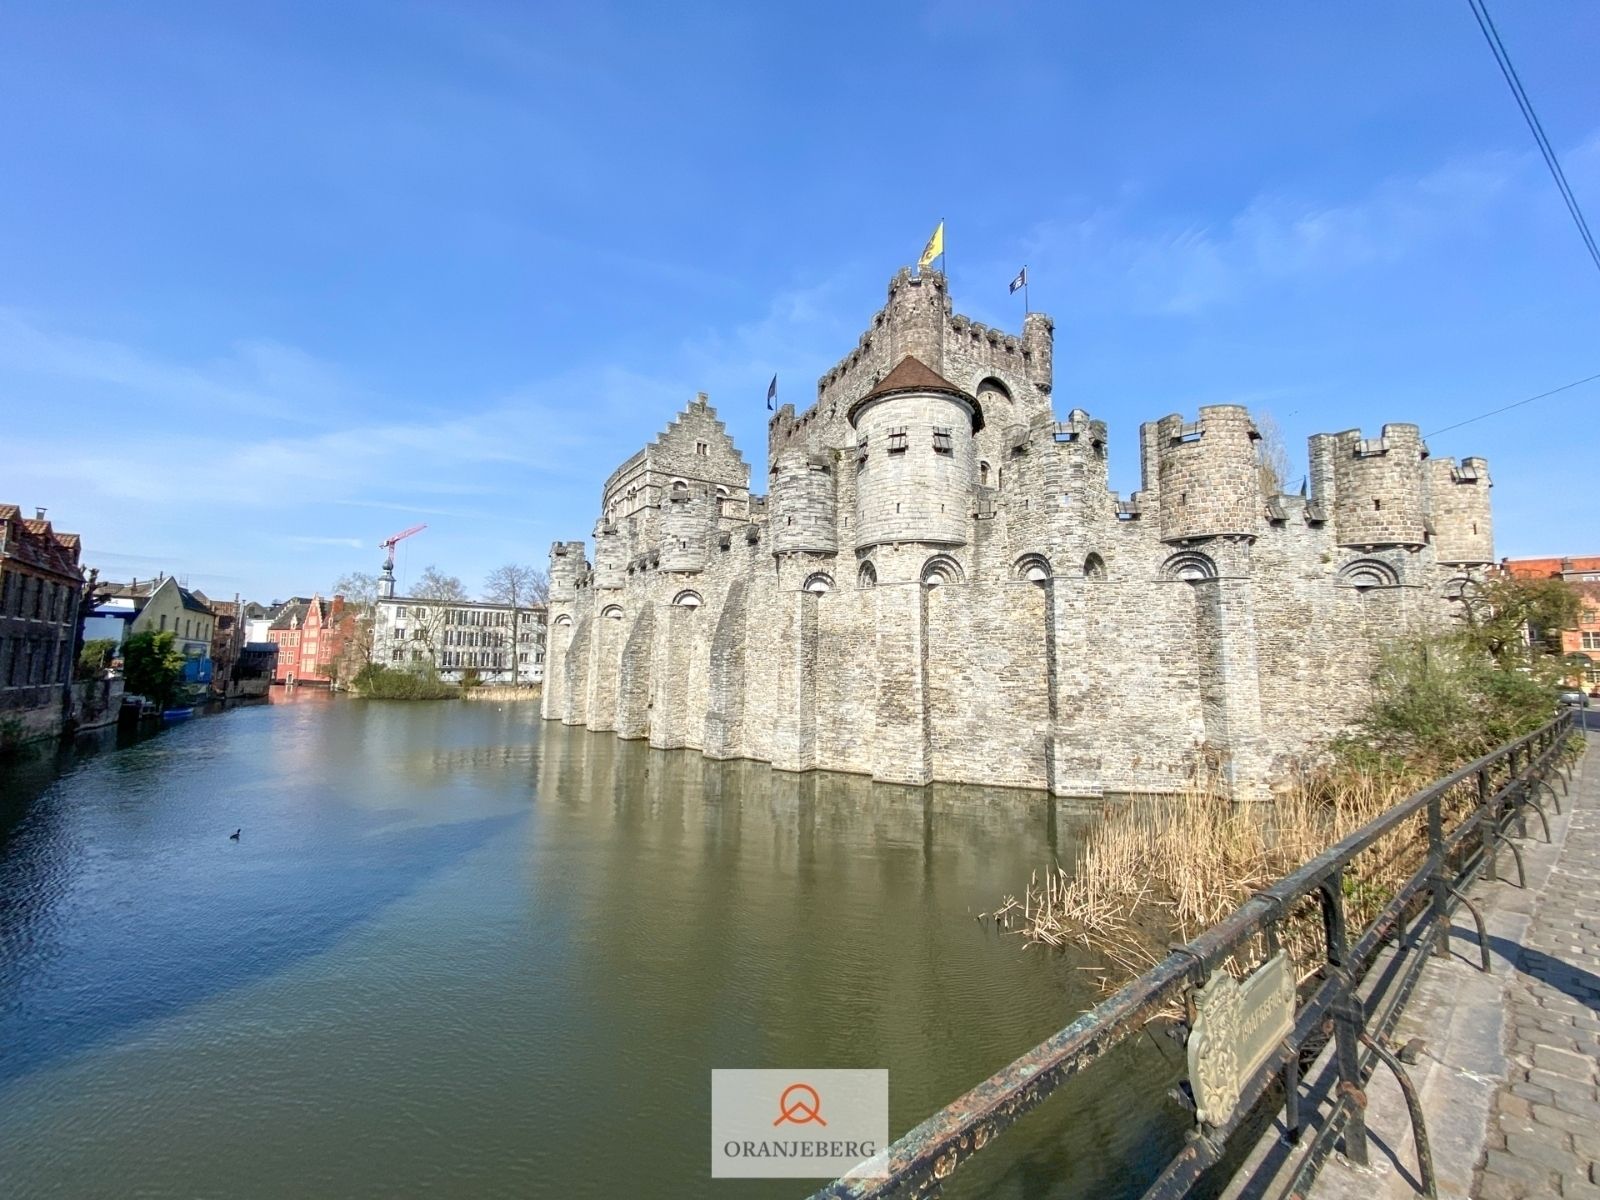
(995, 615)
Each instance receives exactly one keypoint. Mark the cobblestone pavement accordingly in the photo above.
(1544, 1132)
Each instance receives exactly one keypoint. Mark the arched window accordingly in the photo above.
(983, 474)
(993, 388)
(1035, 568)
(680, 489)
(1365, 573)
(867, 576)
(612, 612)
(941, 569)
(820, 583)
(688, 599)
(1094, 567)
(1190, 566)
(563, 621)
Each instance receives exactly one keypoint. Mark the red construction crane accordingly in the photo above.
(389, 545)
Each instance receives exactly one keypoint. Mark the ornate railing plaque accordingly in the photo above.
(1237, 1025)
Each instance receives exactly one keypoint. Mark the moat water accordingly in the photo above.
(459, 951)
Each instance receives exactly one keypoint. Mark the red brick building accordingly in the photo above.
(311, 635)
(1583, 573)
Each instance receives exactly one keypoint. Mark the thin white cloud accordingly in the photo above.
(311, 540)
(1115, 261)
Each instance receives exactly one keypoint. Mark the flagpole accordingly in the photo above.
(944, 254)
(1025, 308)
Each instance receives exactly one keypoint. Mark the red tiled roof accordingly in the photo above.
(1549, 568)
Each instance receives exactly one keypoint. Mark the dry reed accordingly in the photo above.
(1162, 869)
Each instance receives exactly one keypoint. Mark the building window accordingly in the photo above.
(1591, 641)
(897, 440)
(861, 450)
(399, 612)
(163, 623)
(942, 441)
(702, 449)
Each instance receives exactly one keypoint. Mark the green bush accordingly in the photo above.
(152, 665)
(95, 656)
(377, 682)
(1439, 702)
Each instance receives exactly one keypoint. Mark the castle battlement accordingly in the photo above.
(941, 585)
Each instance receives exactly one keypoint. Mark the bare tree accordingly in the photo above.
(360, 592)
(1272, 456)
(427, 621)
(433, 584)
(518, 587)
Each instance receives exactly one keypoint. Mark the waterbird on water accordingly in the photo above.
(234, 836)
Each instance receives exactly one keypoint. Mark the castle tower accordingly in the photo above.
(803, 505)
(1081, 442)
(567, 567)
(610, 556)
(1039, 340)
(915, 459)
(1205, 474)
(684, 530)
(1376, 485)
(1458, 500)
(917, 313)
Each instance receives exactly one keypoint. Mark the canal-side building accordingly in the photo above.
(939, 583)
(41, 585)
(311, 634)
(461, 639)
(159, 605)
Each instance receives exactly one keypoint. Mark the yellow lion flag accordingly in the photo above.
(934, 248)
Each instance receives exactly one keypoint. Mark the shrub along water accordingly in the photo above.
(1159, 869)
(377, 682)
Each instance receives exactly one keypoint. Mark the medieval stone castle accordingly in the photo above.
(938, 584)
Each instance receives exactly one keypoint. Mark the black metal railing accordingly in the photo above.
(1484, 800)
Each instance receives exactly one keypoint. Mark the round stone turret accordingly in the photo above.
(915, 459)
(1378, 486)
(567, 566)
(610, 556)
(683, 531)
(917, 312)
(1207, 478)
(803, 504)
(1458, 500)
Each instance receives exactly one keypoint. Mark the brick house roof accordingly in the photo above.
(33, 543)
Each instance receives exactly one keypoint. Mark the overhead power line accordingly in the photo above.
(1514, 82)
(1493, 412)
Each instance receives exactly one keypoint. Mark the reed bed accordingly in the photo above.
(1162, 869)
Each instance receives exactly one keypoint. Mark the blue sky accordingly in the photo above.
(279, 280)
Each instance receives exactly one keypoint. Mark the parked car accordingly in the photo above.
(1574, 698)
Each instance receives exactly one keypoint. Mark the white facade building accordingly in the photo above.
(461, 636)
